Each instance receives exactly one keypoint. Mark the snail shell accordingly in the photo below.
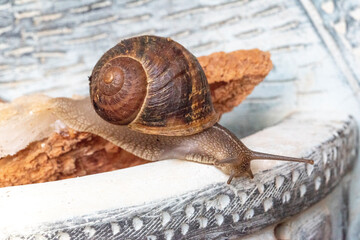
(153, 85)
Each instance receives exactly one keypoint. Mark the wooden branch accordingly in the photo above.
(232, 76)
(62, 155)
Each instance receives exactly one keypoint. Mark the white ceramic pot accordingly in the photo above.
(183, 200)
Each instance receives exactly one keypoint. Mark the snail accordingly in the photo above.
(151, 98)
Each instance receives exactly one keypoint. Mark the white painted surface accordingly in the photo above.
(29, 205)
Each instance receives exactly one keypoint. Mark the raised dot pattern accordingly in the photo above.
(217, 210)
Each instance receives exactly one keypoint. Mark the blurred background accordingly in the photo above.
(50, 47)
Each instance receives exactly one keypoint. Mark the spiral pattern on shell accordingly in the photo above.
(154, 85)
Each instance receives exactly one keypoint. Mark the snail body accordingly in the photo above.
(151, 98)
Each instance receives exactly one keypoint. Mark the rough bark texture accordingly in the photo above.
(64, 155)
(232, 76)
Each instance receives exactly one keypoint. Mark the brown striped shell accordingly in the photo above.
(154, 85)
